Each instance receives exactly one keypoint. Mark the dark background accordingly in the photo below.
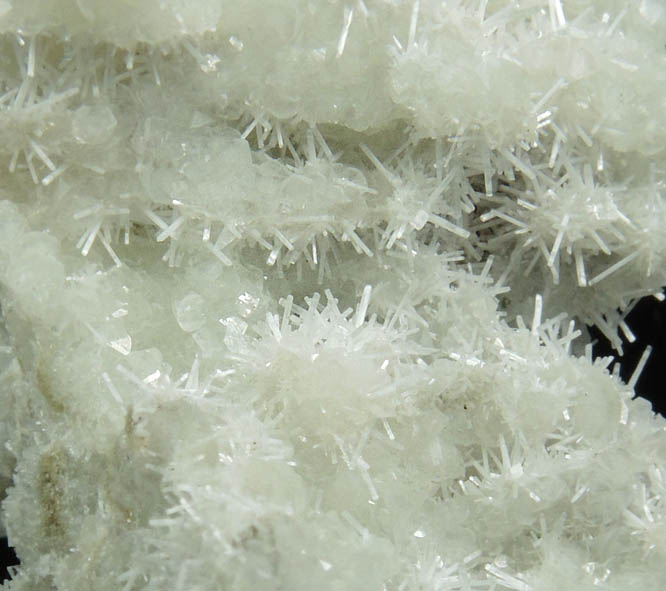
(647, 321)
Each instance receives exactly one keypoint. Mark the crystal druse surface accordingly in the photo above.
(293, 294)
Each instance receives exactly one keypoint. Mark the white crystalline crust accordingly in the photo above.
(291, 290)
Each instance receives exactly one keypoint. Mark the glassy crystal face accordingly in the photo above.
(293, 294)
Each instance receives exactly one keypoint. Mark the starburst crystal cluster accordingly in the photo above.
(293, 294)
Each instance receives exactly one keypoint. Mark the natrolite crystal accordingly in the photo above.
(293, 294)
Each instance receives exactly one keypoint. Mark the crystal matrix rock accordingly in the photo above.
(293, 294)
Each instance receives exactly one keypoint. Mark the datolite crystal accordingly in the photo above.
(294, 294)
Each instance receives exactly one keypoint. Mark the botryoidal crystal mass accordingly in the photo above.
(293, 294)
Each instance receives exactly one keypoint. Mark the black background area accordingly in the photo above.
(648, 322)
(7, 558)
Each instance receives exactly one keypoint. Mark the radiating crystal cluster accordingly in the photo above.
(292, 294)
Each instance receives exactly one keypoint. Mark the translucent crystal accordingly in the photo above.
(190, 312)
(93, 124)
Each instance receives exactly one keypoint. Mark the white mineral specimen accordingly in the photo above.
(292, 294)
